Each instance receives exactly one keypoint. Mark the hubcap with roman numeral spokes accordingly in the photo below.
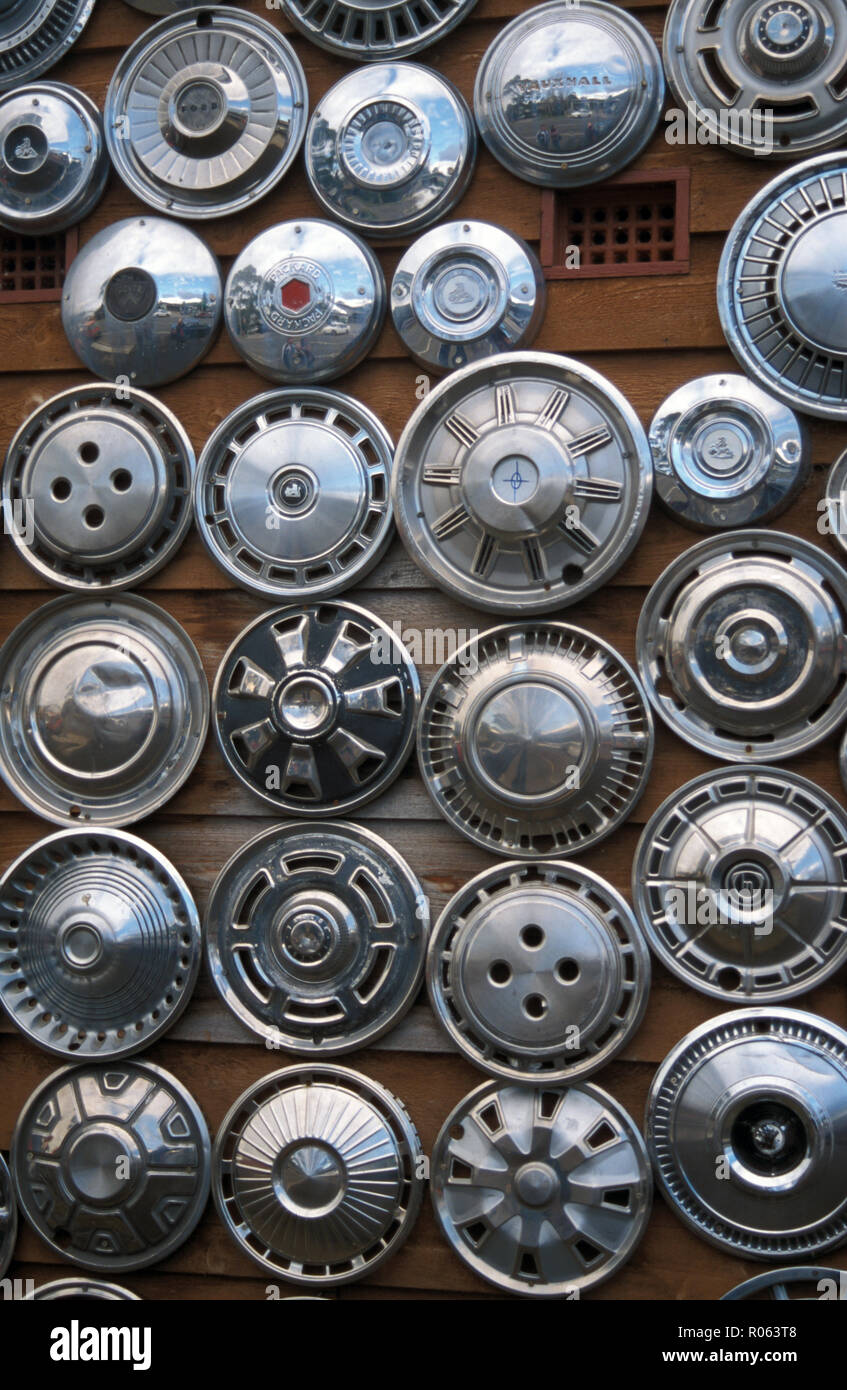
(522, 482)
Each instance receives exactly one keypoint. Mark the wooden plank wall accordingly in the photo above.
(648, 336)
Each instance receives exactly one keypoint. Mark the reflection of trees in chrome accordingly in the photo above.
(522, 100)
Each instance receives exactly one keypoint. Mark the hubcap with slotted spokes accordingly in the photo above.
(35, 34)
(368, 30)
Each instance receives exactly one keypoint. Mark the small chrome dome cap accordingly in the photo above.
(535, 740)
(91, 1290)
(315, 707)
(781, 287)
(205, 112)
(782, 61)
(740, 886)
(746, 1126)
(316, 1174)
(316, 935)
(370, 30)
(53, 160)
(142, 302)
(112, 1164)
(725, 453)
(293, 493)
(538, 974)
(35, 34)
(304, 302)
(544, 1192)
(108, 472)
(466, 290)
(103, 709)
(569, 94)
(741, 645)
(99, 944)
(390, 149)
(522, 482)
(8, 1218)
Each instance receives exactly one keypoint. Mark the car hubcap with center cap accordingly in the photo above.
(741, 887)
(205, 112)
(99, 944)
(108, 472)
(741, 645)
(535, 740)
(293, 492)
(746, 1127)
(544, 1192)
(538, 973)
(8, 1218)
(53, 160)
(103, 710)
(315, 708)
(35, 34)
(316, 937)
(316, 1174)
(112, 1164)
(522, 482)
(368, 30)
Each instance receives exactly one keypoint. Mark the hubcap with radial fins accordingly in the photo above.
(802, 1282)
(35, 34)
(315, 707)
(53, 160)
(99, 944)
(315, 936)
(316, 1174)
(8, 1218)
(103, 709)
(544, 1192)
(741, 886)
(108, 472)
(293, 492)
(746, 1127)
(112, 1164)
(741, 645)
(88, 1289)
(522, 482)
(368, 30)
(535, 740)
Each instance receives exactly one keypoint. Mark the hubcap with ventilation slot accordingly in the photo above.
(315, 707)
(99, 944)
(35, 34)
(538, 973)
(746, 1127)
(522, 482)
(741, 645)
(535, 740)
(740, 882)
(316, 1174)
(316, 937)
(802, 1282)
(53, 160)
(293, 492)
(8, 1218)
(112, 1164)
(544, 1192)
(368, 30)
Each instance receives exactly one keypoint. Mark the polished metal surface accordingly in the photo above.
(834, 504)
(8, 1218)
(107, 472)
(568, 94)
(368, 30)
(53, 160)
(741, 645)
(317, 1174)
(726, 454)
(142, 302)
(35, 34)
(781, 284)
(304, 302)
(741, 886)
(799, 1282)
(535, 740)
(316, 935)
(315, 707)
(776, 66)
(467, 290)
(206, 112)
(112, 1164)
(99, 944)
(390, 149)
(88, 1289)
(543, 1192)
(163, 7)
(538, 974)
(746, 1127)
(103, 710)
(292, 494)
(522, 483)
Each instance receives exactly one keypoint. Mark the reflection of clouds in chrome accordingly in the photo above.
(701, 126)
(693, 905)
(19, 518)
